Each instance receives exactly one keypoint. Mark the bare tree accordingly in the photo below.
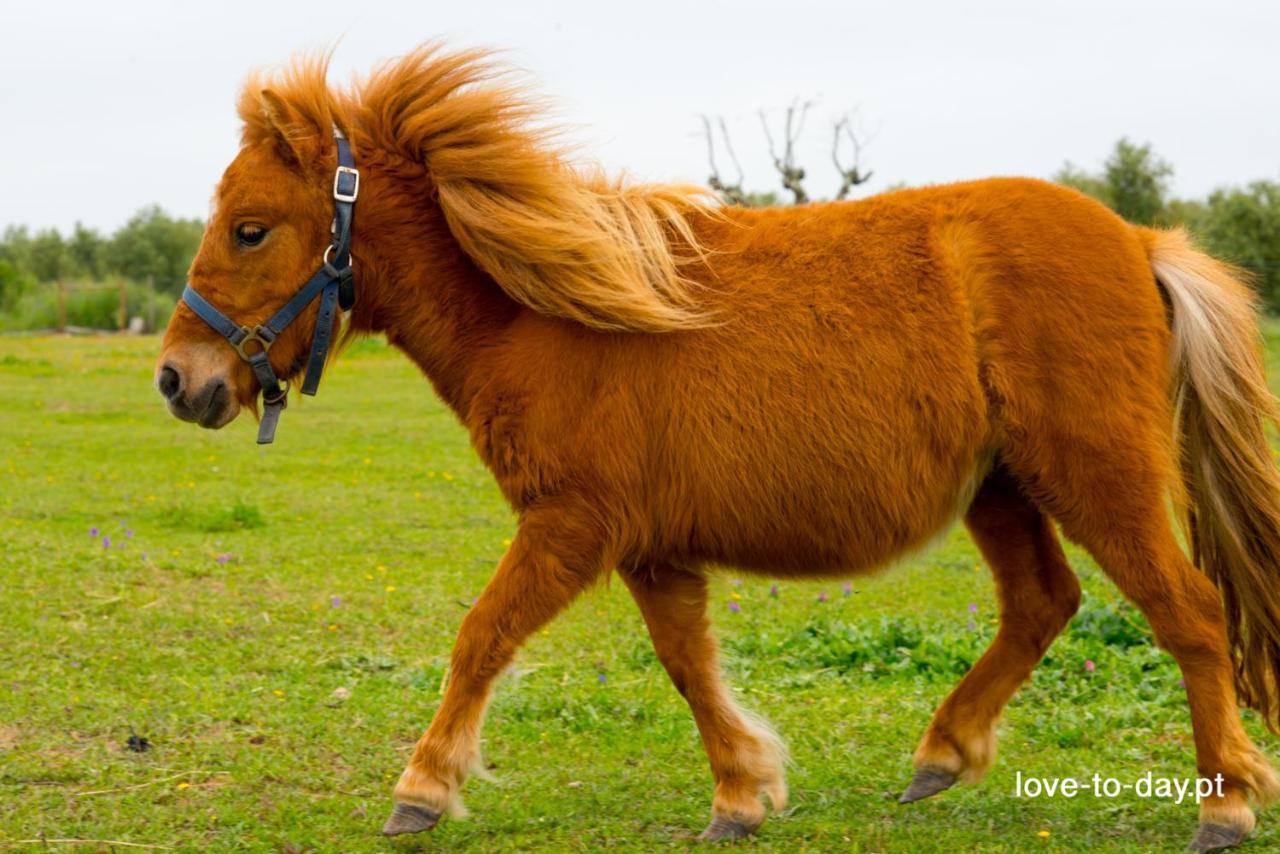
(852, 175)
(732, 193)
(846, 138)
(792, 175)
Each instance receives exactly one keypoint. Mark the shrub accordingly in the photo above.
(36, 306)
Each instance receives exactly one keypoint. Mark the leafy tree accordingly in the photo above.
(87, 249)
(13, 284)
(15, 246)
(1134, 183)
(1243, 226)
(48, 259)
(1138, 181)
(153, 243)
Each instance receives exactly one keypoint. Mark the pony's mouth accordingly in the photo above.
(216, 409)
(212, 408)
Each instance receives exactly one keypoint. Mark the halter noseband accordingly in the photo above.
(332, 282)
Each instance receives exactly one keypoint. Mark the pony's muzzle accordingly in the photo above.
(211, 406)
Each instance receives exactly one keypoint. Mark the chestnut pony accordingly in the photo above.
(660, 384)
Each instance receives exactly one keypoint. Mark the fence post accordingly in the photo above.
(62, 307)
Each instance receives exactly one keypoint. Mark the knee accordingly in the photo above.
(1057, 603)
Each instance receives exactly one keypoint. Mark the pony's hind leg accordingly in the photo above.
(1185, 612)
(1038, 595)
(1108, 494)
(746, 758)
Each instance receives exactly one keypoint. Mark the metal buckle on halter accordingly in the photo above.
(355, 188)
(334, 272)
(281, 399)
(260, 334)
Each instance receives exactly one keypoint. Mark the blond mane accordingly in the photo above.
(564, 242)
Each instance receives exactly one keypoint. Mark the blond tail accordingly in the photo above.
(1233, 488)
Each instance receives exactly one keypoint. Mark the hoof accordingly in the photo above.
(926, 783)
(1215, 837)
(724, 829)
(406, 818)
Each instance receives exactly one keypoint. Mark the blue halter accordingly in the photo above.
(334, 285)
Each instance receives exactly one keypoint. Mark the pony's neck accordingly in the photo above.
(416, 285)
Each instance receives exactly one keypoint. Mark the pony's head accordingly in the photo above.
(464, 150)
(267, 232)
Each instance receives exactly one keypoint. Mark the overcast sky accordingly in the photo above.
(106, 107)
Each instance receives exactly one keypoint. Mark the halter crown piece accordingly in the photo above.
(334, 285)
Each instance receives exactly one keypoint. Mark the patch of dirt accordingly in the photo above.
(8, 737)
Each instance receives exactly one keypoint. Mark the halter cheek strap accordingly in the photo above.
(333, 283)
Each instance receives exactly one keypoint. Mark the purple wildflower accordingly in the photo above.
(735, 607)
(973, 627)
(128, 533)
(973, 608)
(737, 582)
(224, 557)
(773, 590)
(106, 542)
(335, 601)
(847, 588)
(600, 678)
(93, 530)
(1089, 665)
(822, 597)
(144, 555)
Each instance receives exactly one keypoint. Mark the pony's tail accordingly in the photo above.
(1222, 405)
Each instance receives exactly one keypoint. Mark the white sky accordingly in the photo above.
(110, 106)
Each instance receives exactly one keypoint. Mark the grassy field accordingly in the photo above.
(275, 623)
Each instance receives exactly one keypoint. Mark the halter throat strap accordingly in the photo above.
(332, 283)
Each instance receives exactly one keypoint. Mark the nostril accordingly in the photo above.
(169, 382)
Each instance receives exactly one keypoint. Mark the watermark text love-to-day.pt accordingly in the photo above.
(1148, 785)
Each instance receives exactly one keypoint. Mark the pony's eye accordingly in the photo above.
(250, 234)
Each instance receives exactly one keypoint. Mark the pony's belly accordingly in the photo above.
(826, 530)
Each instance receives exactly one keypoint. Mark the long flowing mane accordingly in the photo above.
(565, 242)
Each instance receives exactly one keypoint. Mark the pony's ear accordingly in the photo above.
(298, 140)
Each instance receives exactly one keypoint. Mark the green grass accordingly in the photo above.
(258, 581)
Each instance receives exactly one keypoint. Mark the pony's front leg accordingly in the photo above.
(746, 757)
(553, 557)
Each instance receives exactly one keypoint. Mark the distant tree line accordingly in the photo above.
(151, 248)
